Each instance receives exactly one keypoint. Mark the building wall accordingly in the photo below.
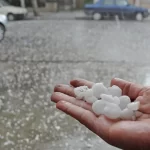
(65, 4)
(131, 1)
(79, 4)
(143, 3)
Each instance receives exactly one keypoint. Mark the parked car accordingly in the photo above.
(120, 8)
(3, 21)
(12, 12)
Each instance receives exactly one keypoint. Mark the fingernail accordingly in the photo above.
(62, 105)
(64, 102)
(59, 85)
(118, 79)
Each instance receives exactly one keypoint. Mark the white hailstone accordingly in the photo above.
(127, 114)
(9, 143)
(124, 101)
(107, 98)
(27, 101)
(79, 91)
(134, 106)
(98, 107)
(99, 89)
(91, 99)
(112, 111)
(1, 103)
(116, 100)
(37, 138)
(88, 93)
(115, 91)
(85, 88)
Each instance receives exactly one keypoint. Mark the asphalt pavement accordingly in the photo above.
(38, 54)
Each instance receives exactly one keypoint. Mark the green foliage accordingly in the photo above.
(88, 1)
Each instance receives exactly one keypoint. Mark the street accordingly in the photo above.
(38, 54)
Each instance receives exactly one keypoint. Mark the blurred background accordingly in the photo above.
(48, 42)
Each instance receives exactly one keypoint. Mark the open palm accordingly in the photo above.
(128, 135)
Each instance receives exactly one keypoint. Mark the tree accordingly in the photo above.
(35, 7)
(137, 2)
(22, 3)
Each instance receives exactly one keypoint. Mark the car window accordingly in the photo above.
(108, 2)
(3, 3)
(121, 2)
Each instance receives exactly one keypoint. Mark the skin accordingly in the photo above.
(127, 135)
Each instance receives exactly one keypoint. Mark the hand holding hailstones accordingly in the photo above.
(108, 101)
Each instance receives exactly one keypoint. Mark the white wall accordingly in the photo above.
(74, 3)
(137, 2)
(94, 1)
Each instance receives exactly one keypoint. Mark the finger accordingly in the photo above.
(66, 89)
(131, 89)
(144, 102)
(57, 97)
(81, 82)
(99, 125)
(85, 117)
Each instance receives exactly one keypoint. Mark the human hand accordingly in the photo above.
(129, 135)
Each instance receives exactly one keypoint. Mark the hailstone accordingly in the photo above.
(124, 101)
(99, 89)
(107, 98)
(91, 99)
(80, 91)
(134, 106)
(115, 91)
(127, 114)
(98, 107)
(110, 99)
(116, 100)
(88, 93)
(112, 111)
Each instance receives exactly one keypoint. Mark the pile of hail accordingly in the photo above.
(108, 101)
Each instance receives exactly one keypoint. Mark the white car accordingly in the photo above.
(12, 12)
(3, 22)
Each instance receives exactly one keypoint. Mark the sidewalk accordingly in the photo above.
(62, 15)
(71, 15)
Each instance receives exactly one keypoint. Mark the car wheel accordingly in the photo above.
(2, 32)
(97, 16)
(139, 17)
(10, 17)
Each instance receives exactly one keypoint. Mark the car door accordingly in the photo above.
(2, 9)
(123, 7)
(108, 7)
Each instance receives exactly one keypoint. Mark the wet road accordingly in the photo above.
(36, 55)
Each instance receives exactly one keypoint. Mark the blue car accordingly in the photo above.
(111, 8)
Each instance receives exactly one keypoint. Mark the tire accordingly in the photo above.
(97, 16)
(2, 32)
(139, 17)
(10, 17)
